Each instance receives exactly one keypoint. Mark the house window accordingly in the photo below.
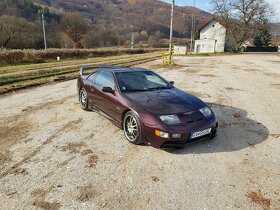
(213, 25)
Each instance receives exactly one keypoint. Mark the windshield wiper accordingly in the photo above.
(158, 88)
(148, 89)
(133, 90)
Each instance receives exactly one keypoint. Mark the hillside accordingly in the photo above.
(110, 22)
(122, 15)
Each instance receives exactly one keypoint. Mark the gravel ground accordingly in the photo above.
(53, 155)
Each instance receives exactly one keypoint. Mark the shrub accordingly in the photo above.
(30, 56)
(261, 49)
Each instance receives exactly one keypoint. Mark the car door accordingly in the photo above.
(107, 102)
(91, 88)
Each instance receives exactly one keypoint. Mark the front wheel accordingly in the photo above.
(83, 97)
(132, 128)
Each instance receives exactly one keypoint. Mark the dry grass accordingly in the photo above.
(29, 55)
(23, 76)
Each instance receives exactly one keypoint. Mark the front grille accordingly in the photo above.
(190, 117)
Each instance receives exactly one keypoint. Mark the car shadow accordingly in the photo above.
(236, 131)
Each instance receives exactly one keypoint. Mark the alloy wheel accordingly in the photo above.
(83, 98)
(131, 128)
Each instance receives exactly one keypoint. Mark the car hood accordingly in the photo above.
(167, 101)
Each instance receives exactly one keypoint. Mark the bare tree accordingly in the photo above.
(74, 27)
(241, 17)
(13, 29)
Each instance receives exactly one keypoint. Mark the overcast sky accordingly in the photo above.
(204, 5)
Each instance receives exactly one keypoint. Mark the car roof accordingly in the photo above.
(113, 68)
(128, 69)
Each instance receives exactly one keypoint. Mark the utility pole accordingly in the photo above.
(193, 28)
(44, 31)
(132, 41)
(171, 31)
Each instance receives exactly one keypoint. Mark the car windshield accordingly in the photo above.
(140, 81)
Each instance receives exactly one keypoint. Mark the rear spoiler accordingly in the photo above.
(83, 68)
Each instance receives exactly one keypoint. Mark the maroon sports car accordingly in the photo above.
(147, 107)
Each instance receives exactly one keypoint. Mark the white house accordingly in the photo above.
(212, 38)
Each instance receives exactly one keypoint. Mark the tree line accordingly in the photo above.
(72, 31)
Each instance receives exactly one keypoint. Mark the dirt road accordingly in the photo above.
(54, 155)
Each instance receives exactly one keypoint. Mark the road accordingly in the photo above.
(54, 155)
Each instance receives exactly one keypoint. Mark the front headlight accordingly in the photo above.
(170, 119)
(206, 111)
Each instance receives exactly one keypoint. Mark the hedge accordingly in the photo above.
(261, 49)
(22, 56)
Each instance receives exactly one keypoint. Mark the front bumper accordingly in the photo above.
(185, 130)
(182, 143)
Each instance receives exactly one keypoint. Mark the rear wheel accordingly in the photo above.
(132, 128)
(83, 99)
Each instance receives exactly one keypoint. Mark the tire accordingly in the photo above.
(132, 128)
(83, 98)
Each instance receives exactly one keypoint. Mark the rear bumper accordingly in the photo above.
(184, 130)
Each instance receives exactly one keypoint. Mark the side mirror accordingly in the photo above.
(108, 90)
(172, 82)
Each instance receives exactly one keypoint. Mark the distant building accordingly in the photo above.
(212, 38)
(247, 43)
(180, 49)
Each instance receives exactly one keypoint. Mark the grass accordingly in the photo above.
(23, 76)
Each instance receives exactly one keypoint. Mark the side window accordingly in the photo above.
(105, 79)
(92, 77)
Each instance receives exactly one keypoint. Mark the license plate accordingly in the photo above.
(200, 133)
